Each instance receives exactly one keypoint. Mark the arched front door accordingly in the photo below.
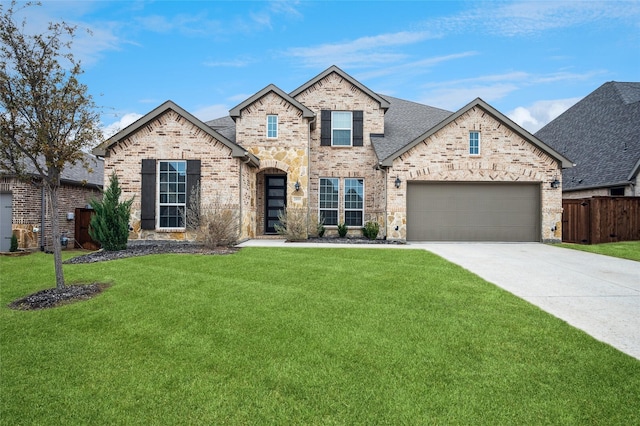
(275, 201)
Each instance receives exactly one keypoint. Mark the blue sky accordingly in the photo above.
(530, 60)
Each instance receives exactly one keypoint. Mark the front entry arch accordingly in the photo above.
(275, 201)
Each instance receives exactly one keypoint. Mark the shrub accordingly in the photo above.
(370, 230)
(293, 224)
(316, 227)
(342, 230)
(110, 224)
(14, 243)
(215, 224)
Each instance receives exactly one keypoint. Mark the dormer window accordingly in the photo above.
(341, 126)
(272, 126)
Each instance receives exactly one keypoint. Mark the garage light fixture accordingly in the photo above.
(555, 183)
(398, 182)
(297, 186)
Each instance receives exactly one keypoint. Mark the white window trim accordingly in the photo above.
(479, 144)
(337, 209)
(158, 227)
(350, 128)
(344, 201)
(277, 126)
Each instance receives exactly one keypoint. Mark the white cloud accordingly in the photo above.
(414, 67)
(364, 50)
(455, 98)
(538, 114)
(115, 127)
(527, 18)
(211, 112)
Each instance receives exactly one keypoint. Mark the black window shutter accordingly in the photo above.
(325, 128)
(148, 198)
(358, 135)
(193, 178)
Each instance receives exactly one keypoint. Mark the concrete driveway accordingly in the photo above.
(597, 294)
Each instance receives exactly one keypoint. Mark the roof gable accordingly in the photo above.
(236, 150)
(384, 104)
(237, 110)
(565, 162)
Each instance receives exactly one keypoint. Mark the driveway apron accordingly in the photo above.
(597, 294)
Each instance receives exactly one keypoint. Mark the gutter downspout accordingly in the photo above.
(42, 213)
(241, 192)
(312, 121)
(386, 203)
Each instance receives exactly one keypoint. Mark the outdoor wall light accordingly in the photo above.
(398, 182)
(555, 183)
(297, 186)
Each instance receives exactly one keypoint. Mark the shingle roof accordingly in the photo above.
(225, 126)
(403, 122)
(601, 134)
(76, 174)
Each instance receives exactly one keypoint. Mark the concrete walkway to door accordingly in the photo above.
(597, 294)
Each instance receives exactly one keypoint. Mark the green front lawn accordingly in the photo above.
(623, 250)
(298, 336)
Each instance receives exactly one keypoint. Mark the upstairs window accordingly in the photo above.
(341, 125)
(172, 194)
(474, 143)
(329, 199)
(272, 126)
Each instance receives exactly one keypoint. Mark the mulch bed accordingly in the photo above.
(52, 297)
(143, 249)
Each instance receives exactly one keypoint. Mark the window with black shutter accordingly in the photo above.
(341, 128)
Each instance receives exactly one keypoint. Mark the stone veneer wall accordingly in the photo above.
(504, 156)
(336, 94)
(172, 137)
(286, 154)
(27, 207)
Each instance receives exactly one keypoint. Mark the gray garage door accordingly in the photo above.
(473, 212)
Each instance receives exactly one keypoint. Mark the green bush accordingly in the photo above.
(14, 243)
(110, 224)
(342, 230)
(370, 230)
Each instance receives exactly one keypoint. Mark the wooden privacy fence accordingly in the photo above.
(600, 220)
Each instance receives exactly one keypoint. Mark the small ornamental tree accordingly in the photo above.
(47, 116)
(110, 223)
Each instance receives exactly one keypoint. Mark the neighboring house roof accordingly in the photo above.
(388, 160)
(306, 112)
(76, 174)
(601, 134)
(384, 104)
(236, 150)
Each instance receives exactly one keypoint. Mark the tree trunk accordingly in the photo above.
(52, 191)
